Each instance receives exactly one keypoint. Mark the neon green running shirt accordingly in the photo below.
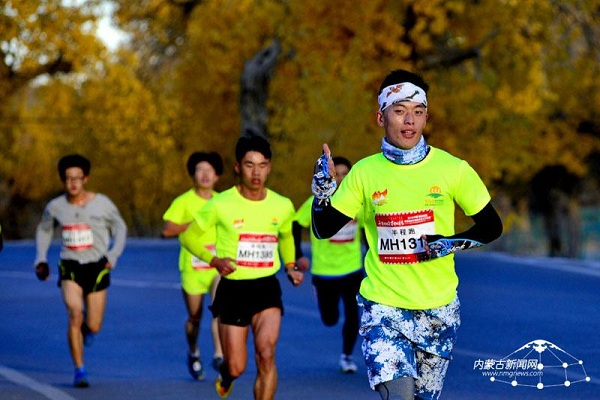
(181, 211)
(400, 203)
(337, 256)
(253, 233)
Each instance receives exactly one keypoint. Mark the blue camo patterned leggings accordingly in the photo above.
(409, 343)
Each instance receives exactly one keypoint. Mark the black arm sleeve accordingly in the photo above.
(326, 220)
(297, 232)
(487, 228)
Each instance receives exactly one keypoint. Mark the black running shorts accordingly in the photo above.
(92, 277)
(237, 301)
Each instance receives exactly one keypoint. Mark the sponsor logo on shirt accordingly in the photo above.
(434, 197)
(379, 198)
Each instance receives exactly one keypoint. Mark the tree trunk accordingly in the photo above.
(255, 90)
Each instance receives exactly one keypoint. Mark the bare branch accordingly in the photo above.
(589, 27)
(449, 57)
(14, 80)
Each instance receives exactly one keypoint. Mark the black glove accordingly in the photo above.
(42, 271)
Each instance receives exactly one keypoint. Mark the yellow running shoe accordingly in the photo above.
(222, 391)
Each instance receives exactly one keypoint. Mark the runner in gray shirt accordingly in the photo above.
(88, 222)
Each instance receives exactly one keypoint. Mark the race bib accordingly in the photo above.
(399, 236)
(201, 264)
(256, 250)
(77, 237)
(346, 234)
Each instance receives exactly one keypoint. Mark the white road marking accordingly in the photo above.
(47, 391)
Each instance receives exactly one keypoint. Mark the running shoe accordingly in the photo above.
(88, 336)
(217, 362)
(347, 365)
(80, 380)
(195, 366)
(222, 390)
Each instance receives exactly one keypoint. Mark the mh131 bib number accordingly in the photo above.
(399, 236)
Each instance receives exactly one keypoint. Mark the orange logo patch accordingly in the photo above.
(379, 198)
(395, 89)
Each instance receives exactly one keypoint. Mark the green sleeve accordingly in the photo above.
(287, 246)
(303, 214)
(190, 240)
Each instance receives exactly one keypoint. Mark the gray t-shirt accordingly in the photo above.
(86, 231)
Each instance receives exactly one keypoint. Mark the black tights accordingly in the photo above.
(329, 292)
(398, 389)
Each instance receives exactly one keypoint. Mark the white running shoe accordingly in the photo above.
(195, 366)
(347, 366)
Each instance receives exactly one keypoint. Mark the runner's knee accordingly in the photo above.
(329, 316)
(329, 320)
(75, 317)
(235, 369)
(402, 388)
(93, 327)
(265, 354)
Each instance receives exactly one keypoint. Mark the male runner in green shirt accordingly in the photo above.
(407, 194)
(254, 230)
(197, 277)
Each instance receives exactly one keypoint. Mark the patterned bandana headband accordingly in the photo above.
(401, 92)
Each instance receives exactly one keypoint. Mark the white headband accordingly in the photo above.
(401, 92)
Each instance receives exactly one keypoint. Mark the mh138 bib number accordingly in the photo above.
(399, 236)
(256, 250)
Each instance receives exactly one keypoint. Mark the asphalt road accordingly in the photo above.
(507, 303)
